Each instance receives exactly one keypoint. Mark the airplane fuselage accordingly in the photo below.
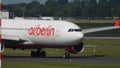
(42, 33)
(38, 34)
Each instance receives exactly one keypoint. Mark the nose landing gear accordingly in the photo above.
(66, 54)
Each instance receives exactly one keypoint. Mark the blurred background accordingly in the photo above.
(75, 9)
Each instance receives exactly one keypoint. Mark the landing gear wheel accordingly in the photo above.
(38, 53)
(43, 54)
(67, 55)
(33, 54)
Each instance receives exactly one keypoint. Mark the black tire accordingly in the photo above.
(43, 54)
(33, 54)
(67, 55)
(38, 53)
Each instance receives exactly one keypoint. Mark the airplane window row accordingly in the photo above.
(74, 30)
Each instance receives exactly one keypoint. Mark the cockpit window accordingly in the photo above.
(74, 30)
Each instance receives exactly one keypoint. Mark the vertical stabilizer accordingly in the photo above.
(117, 22)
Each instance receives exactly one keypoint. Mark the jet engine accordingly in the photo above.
(2, 47)
(76, 49)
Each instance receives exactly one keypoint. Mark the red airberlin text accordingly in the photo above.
(42, 31)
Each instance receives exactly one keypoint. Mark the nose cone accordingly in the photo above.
(80, 36)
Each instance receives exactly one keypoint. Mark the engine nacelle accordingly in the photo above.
(2, 47)
(76, 49)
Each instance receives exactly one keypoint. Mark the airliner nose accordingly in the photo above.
(80, 35)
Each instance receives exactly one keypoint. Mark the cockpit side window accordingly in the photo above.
(74, 30)
(70, 30)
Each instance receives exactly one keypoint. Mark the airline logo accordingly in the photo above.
(42, 31)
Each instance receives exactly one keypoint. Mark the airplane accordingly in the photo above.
(39, 34)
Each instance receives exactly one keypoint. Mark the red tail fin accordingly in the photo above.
(117, 22)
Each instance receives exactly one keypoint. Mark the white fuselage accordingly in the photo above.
(42, 32)
(38, 34)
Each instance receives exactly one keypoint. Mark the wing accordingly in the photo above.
(9, 37)
(19, 39)
(117, 25)
(15, 38)
(99, 29)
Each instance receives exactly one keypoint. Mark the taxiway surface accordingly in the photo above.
(94, 60)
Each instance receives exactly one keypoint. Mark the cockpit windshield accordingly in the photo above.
(74, 30)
